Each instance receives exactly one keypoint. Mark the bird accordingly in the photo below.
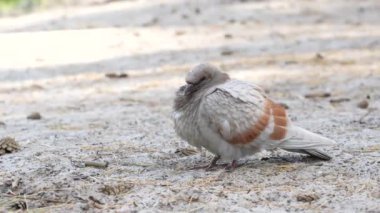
(233, 119)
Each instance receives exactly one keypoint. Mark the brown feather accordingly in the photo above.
(256, 130)
(280, 122)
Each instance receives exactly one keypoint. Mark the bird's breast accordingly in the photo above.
(185, 126)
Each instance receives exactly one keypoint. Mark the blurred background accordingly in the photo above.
(101, 75)
(18, 7)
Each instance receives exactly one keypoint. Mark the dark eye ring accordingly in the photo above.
(203, 78)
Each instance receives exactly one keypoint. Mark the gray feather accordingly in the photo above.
(312, 152)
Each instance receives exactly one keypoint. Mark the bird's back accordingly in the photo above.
(245, 117)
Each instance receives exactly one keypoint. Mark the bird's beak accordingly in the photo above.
(189, 82)
(182, 88)
(188, 89)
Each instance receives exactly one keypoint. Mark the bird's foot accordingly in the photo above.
(213, 164)
(232, 166)
(229, 167)
(210, 166)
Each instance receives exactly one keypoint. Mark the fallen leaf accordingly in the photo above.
(318, 95)
(227, 52)
(185, 152)
(8, 145)
(116, 75)
(116, 189)
(307, 197)
(339, 100)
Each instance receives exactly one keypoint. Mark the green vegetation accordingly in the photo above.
(14, 6)
(8, 4)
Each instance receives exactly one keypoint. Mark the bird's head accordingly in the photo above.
(202, 77)
(198, 80)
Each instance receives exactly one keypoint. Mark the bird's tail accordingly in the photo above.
(312, 152)
(305, 142)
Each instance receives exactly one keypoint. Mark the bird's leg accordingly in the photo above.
(209, 166)
(232, 166)
(213, 162)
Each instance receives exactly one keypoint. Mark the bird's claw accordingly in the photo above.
(232, 166)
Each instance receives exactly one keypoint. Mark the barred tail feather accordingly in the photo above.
(312, 152)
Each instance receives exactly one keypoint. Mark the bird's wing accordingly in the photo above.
(242, 114)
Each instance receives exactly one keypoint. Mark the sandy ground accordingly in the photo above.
(55, 62)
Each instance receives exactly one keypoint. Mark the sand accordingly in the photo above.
(55, 62)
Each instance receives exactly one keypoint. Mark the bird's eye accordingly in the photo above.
(196, 82)
(202, 79)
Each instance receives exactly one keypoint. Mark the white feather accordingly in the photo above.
(300, 138)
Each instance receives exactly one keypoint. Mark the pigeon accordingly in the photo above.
(233, 119)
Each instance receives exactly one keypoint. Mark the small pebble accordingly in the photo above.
(363, 104)
(180, 32)
(284, 105)
(85, 207)
(227, 36)
(34, 116)
(319, 56)
(227, 52)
